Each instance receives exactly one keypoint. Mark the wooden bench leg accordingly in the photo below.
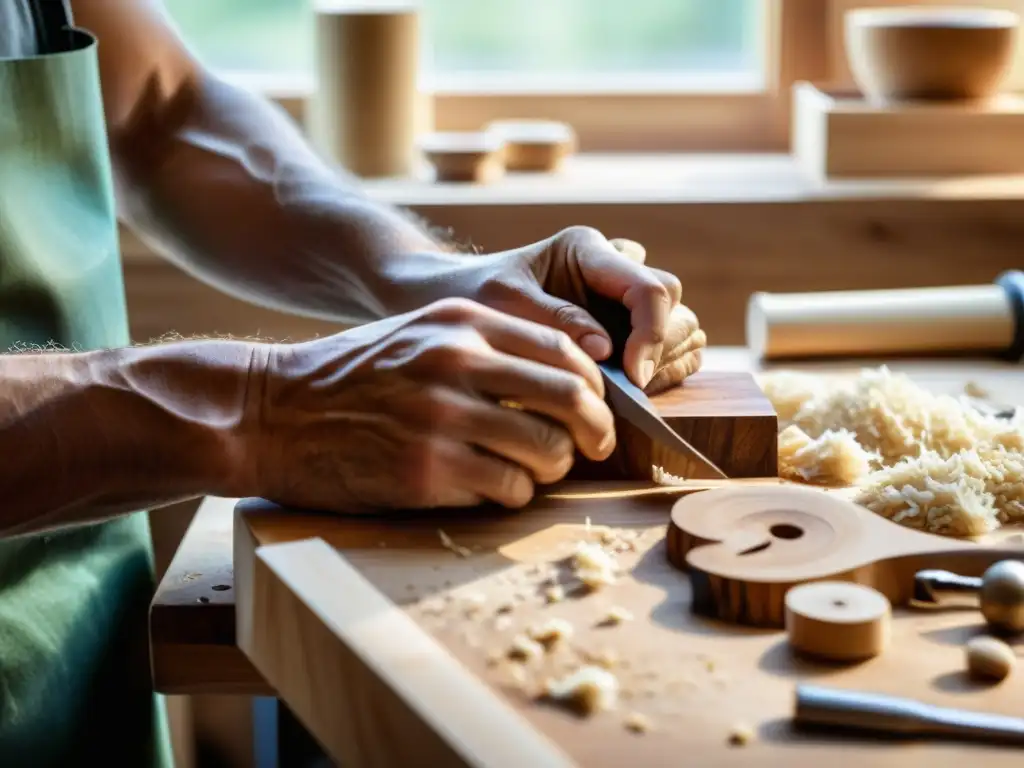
(281, 740)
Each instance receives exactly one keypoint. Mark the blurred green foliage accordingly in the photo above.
(532, 36)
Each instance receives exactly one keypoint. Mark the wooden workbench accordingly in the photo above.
(193, 615)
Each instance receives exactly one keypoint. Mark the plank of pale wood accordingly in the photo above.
(696, 679)
(210, 662)
(374, 689)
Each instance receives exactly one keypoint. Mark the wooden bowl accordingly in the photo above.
(922, 53)
(465, 156)
(534, 145)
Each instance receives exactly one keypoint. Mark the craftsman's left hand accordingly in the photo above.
(545, 282)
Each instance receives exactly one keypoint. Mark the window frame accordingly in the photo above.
(751, 121)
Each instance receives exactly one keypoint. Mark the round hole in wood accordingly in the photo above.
(839, 603)
(786, 531)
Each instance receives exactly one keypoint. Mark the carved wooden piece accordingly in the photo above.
(744, 548)
(723, 414)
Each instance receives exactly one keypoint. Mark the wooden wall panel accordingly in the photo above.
(722, 252)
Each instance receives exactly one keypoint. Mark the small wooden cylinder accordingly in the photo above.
(961, 319)
(837, 621)
(368, 108)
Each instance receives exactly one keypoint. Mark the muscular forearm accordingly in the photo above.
(225, 185)
(87, 436)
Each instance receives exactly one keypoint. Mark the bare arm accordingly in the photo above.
(224, 184)
(86, 436)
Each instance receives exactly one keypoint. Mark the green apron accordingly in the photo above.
(75, 684)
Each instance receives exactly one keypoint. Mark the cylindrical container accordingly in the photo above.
(915, 321)
(368, 108)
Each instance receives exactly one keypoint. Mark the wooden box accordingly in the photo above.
(836, 134)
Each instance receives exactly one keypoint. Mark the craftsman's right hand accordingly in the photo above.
(451, 405)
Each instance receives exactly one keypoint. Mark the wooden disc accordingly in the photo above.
(838, 621)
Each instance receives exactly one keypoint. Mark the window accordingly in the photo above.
(628, 74)
(578, 43)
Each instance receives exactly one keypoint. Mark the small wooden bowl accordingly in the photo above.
(534, 145)
(469, 156)
(921, 53)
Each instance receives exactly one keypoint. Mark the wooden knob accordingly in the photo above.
(838, 621)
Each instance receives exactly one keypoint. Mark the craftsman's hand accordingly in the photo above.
(450, 405)
(547, 281)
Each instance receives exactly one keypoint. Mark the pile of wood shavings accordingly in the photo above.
(928, 461)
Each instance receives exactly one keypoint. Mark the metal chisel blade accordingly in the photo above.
(633, 404)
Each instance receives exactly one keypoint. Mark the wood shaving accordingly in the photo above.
(638, 722)
(503, 622)
(524, 649)
(833, 458)
(933, 462)
(494, 658)
(474, 604)
(593, 566)
(551, 632)
(974, 389)
(450, 545)
(586, 691)
(432, 607)
(605, 658)
(554, 594)
(616, 615)
(741, 735)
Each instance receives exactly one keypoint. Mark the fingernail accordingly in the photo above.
(646, 372)
(595, 345)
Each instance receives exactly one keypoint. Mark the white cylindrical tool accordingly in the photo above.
(913, 321)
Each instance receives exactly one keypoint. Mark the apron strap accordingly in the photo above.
(53, 24)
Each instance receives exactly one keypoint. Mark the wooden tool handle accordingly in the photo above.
(984, 318)
(615, 318)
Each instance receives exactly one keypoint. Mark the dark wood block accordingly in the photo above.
(723, 414)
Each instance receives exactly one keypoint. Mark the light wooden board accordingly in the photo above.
(695, 679)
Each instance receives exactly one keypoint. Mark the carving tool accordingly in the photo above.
(879, 713)
(999, 592)
(629, 401)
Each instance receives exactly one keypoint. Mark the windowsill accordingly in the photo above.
(652, 183)
(630, 179)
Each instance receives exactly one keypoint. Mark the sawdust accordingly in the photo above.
(933, 462)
